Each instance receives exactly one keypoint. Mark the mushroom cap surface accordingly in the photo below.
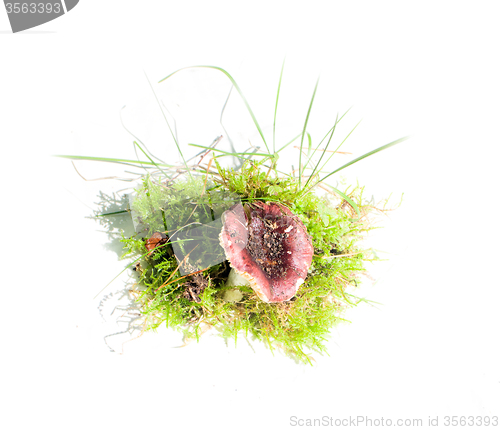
(269, 246)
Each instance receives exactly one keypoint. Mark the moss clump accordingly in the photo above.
(194, 302)
(177, 219)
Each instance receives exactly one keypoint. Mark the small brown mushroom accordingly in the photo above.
(268, 247)
(157, 239)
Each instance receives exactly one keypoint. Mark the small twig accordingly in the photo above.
(175, 271)
(182, 277)
(206, 176)
(213, 145)
(343, 255)
(328, 150)
(96, 179)
(189, 217)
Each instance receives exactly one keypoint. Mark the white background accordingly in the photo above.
(425, 69)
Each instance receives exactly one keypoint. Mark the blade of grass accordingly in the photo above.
(276, 107)
(231, 144)
(170, 128)
(347, 199)
(304, 132)
(324, 152)
(212, 145)
(331, 132)
(136, 138)
(150, 159)
(113, 213)
(329, 158)
(102, 178)
(381, 148)
(309, 147)
(289, 143)
(226, 152)
(309, 154)
(113, 160)
(240, 157)
(237, 89)
(340, 144)
(134, 261)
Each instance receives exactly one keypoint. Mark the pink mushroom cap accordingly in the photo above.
(269, 246)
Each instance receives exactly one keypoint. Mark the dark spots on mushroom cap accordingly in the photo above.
(278, 251)
(267, 246)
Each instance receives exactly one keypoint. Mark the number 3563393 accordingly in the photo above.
(33, 7)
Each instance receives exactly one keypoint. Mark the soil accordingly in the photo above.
(195, 287)
(266, 246)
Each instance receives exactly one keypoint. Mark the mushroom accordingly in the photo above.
(268, 248)
(157, 239)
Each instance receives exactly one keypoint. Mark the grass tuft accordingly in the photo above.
(297, 327)
(182, 285)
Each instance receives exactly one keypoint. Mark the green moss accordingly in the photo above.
(299, 326)
(336, 222)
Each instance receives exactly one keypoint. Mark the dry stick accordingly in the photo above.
(189, 217)
(176, 269)
(213, 145)
(270, 168)
(296, 170)
(343, 255)
(96, 179)
(181, 172)
(206, 176)
(182, 277)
